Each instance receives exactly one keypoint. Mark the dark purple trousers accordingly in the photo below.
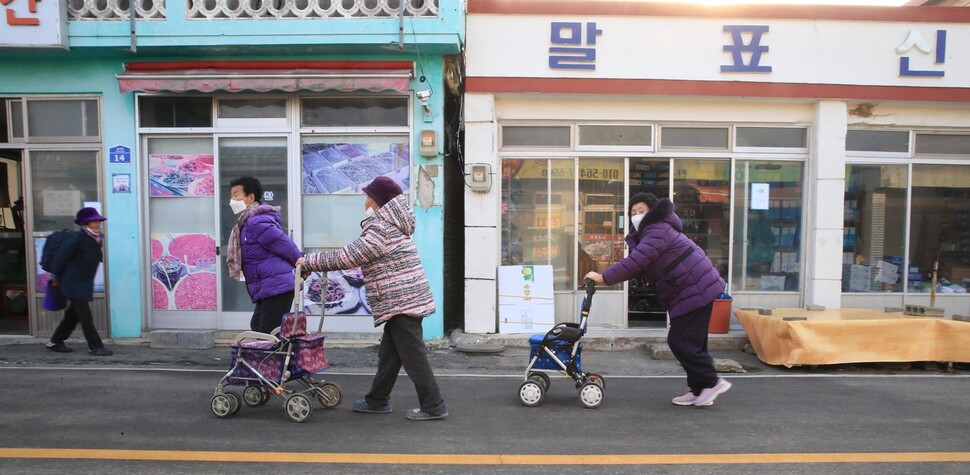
(687, 339)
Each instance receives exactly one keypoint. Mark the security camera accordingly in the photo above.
(423, 95)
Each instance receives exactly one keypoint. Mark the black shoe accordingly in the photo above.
(101, 352)
(58, 347)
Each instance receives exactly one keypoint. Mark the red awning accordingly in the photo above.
(265, 76)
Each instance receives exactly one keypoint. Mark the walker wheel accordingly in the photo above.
(255, 396)
(234, 400)
(224, 405)
(596, 378)
(531, 393)
(297, 408)
(329, 395)
(543, 378)
(591, 395)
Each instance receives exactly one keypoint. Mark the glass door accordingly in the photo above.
(602, 217)
(263, 158)
(643, 307)
(181, 197)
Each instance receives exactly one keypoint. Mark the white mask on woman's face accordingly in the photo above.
(237, 206)
(636, 219)
(369, 212)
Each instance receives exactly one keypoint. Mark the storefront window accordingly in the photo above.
(615, 135)
(694, 137)
(602, 218)
(767, 229)
(535, 136)
(537, 216)
(171, 111)
(334, 171)
(354, 111)
(702, 195)
(772, 137)
(252, 108)
(63, 183)
(877, 141)
(873, 237)
(940, 228)
(62, 120)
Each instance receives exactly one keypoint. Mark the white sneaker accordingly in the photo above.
(685, 400)
(707, 396)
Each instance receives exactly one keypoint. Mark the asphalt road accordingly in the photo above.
(117, 419)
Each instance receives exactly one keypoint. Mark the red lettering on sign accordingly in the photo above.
(12, 20)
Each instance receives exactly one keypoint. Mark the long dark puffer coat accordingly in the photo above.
(691, 284)
(75, 265)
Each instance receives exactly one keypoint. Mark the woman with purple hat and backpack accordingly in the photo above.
(74, 266)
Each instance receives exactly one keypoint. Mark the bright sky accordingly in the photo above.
(889, 3)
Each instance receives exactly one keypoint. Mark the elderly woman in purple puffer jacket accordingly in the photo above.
(687, 285)
(261, 253)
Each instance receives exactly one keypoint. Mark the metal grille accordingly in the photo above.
(117, 10)
(114, 10)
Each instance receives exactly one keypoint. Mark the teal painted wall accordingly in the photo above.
(97, 77)
(98, 50)
(446, 31)
(427, 183)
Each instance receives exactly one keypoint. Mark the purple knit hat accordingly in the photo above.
(382, 190)
(86, 215)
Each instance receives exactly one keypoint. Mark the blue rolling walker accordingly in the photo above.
(560, 350)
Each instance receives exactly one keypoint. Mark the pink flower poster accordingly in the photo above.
(181, 175)
(183, 272)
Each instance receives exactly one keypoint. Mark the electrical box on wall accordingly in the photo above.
(479, 176)
(429, 143)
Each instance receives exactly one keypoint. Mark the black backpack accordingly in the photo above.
(50, 249)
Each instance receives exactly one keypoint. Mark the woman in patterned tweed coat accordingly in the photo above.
(399, 294)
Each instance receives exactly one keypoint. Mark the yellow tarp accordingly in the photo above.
(835, 336)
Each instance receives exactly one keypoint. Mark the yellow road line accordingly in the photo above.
(479, 459)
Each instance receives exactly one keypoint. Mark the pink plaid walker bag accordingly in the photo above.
(307, 355)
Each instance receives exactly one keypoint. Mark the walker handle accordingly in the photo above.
(590, 287)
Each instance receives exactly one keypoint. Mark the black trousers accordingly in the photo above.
(687, 339)
(270, 311)
(79, 311)
(403, 345)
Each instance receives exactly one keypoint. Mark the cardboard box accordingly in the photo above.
(959, 273)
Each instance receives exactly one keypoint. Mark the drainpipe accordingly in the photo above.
(400, 28)
(132, 11)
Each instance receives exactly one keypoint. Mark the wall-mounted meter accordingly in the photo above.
(479, 176)
(429, 144)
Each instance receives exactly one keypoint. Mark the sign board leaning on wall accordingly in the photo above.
(525, 299)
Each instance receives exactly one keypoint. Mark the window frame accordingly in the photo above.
(772, 150)
(26, 138)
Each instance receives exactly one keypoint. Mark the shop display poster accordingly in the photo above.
(525, 299)
(181, 175)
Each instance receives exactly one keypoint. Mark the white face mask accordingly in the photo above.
(635, 220)
(369, 212)
(237, 206)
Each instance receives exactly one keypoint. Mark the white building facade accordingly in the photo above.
(819, 155)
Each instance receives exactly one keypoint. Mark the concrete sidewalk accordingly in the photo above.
(610, 355)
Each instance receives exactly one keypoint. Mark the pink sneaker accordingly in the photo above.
(685, 400)
(707, 396)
